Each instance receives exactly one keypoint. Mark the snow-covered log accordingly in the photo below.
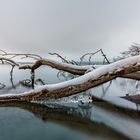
(79, 84)
(73, 69)
(128, 101)
(135, 75)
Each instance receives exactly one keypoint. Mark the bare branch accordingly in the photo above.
(82, 83)
(13, 55)
(2, 86)
(92, 54)
(64, 59)
(57, 65)
(9, 61)
(3, 51)
(59, 56)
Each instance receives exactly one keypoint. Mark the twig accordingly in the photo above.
(2, 86)
(64, 59)
(58, 55)
(91, 55)
(13, 55)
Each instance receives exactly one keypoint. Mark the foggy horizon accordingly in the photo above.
(71, 28)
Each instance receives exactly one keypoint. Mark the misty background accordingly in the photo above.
(69, 27)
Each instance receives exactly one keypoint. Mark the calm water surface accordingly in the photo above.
(66, 118)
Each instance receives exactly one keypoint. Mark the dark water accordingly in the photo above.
(66, 118)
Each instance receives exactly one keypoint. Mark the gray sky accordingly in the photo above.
(69, 27)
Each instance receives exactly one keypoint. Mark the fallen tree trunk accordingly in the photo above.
(135, 76)
(82, 83)
(132, 98)
(73, 69)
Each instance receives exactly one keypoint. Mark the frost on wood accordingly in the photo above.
(73, 69)
(82, 83)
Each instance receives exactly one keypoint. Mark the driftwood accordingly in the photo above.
(127, 70)
(69, 66)
(22, 55)
(73, 69)
(82, 83)
(132, 98)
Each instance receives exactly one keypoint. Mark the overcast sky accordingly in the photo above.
(69, 27)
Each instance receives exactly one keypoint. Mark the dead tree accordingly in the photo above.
(124, 68)
(73, 69)
(132, 51)
(82, 83)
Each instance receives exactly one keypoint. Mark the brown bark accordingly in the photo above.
(11, 62)
(135, 76)
(132, 98)
(76, 70)
(74, 89)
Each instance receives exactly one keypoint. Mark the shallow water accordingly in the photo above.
(66, 118)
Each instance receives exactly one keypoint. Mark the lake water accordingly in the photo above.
(66, 118)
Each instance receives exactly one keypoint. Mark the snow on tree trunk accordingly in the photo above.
(82, 83)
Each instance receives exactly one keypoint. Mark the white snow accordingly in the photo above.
(120, 102)
(85, 67)
(119, 122)
(89, 76)
(95, 73)
(69, 65)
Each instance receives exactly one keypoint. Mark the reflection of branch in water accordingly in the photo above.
(32, 78)
(129, 85)
(24, 83)
(105, 89)
(11, 76)
(2, 86)
(28, 82)
(39, 81)
(12, 63)
(128, 102)
(71, 120)
(8, 89)
(117, 122)
(65, 75)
